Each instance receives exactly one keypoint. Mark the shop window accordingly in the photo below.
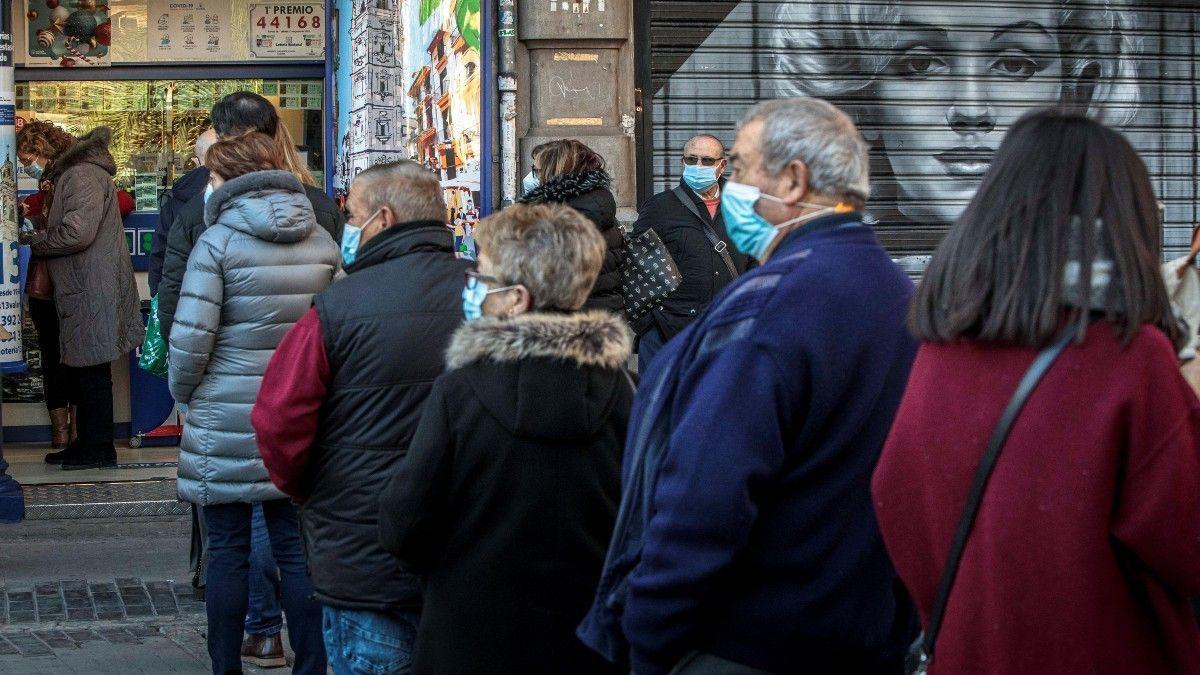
(155, 122)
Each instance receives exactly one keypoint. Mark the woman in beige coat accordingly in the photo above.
(94, 291)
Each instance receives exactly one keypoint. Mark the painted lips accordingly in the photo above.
(968, 162)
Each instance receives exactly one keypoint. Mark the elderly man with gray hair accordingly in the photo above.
(341, 399)
(747, 541)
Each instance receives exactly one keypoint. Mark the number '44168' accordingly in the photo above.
(287, 22)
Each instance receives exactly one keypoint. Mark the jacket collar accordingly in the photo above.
(91, 149)
(567, 187)
(257, 181)
(402, 239)
(587, 339)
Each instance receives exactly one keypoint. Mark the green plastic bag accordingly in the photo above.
(153, 358)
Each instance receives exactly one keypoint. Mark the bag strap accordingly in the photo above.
(975, 497)
(719, 246)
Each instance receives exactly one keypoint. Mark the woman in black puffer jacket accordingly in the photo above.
(571, 173)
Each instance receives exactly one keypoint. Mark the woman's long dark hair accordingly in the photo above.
(998, 276)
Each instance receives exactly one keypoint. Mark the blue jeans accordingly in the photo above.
(265, 616)
(369, 643)
(227, 593)
(649, 345)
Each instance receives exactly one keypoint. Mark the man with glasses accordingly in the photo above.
(341, 399)
(688, 219)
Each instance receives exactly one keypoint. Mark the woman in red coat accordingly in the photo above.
(1086, 547)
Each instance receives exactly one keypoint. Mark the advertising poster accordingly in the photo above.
(287, 30)
(67, 33)
(11, 356)
(183, 31)
(443, 99)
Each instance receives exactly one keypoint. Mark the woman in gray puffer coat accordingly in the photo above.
(251, 276)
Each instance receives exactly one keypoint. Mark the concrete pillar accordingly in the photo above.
(575, 72)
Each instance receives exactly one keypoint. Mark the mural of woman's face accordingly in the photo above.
(962, 74)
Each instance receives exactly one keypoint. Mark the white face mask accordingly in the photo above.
(208, 192)
(530, 182)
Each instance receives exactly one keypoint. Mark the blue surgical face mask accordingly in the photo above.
(351, 237)
(473, 295)
(208, 192)
(34, 171)
(750, 232)
(530, 182)
(700, 178)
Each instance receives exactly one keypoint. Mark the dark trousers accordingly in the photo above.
(649, 345)
(227, 586)
(57, 384)
(94, 400)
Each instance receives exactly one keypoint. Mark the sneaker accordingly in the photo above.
(90, 458)
(264, 651)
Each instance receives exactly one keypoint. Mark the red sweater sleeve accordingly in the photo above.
(289, 401)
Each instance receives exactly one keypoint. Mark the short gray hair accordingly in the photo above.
(820, 135)
(551, 249)
(410, 190)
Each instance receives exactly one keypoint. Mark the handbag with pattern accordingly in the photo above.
(648, 273)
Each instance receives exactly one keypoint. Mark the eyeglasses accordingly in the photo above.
(693, 160)
(474, 279)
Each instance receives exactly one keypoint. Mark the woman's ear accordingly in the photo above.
(522, 302)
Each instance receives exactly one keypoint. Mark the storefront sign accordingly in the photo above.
(182, 31)
(287, 30)
(67, 35)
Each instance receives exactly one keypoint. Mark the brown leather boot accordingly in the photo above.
(60, 428)
(264, 651)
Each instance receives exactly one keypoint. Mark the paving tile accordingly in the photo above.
(56, 639)
(47, 588)
(7, 648)
(81, 614)
(22, 617)
(83, 635)
(139, 611)
(119, 636)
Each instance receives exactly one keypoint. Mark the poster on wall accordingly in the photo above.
(287, 30)
(67, 33)
(183, 31)
(442, 63)
(11, 356)
(408, 83)
(934, 86)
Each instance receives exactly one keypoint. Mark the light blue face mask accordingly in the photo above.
(473, 295)
(351, 237)
(208, 192)
(698, 177)
(530, 182)
(750, 232)
(35, 171)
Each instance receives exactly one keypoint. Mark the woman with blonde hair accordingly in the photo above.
(569, 172)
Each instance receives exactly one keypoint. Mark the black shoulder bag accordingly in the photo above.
(719, 246)
(921, 652)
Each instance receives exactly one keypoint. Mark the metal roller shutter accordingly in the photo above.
(934, 84)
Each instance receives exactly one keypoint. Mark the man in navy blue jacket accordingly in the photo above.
(186, 186)
(760, 550)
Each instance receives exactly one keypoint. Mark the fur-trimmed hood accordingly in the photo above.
(91, 149)
(541, 375)
(595, 339)
(568, 187)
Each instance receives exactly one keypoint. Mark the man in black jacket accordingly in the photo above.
(688, 220)
(341, 399)
(182, 191)
(234, 114)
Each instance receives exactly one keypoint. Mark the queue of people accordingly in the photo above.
(457, 471)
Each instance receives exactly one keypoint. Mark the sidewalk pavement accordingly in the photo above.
(124, 626)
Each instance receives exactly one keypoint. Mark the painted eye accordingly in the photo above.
(921, 65)
(1016, 66)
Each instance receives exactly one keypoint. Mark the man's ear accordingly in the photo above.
(793, 183)
(387, 216)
